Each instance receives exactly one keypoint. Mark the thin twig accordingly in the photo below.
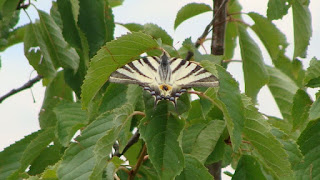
(134, 139)
(205, 33)
(134, 171)
(231, 60)
(206, 97)
(27, 85)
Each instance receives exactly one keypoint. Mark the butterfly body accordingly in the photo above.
(164, 77)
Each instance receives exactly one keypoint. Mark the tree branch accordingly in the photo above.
(218, 31)
(27, 85)
(207, 30)
(134, 171)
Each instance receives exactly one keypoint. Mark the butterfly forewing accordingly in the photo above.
(164, 77)
(142, 72)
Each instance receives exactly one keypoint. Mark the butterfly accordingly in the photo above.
(165, 77)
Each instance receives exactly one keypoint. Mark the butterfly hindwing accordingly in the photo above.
(190, 74)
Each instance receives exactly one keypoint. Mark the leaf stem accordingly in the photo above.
(206, 97)
(134, 171)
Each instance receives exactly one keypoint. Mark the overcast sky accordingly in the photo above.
(19, 114)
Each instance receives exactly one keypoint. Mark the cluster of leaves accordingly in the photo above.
(73, 49)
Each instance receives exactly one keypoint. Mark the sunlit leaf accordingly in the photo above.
(283, 90)
(112, 56)
(277, 9)
(267, 149)
(56, 91)
(229, 101)
(70, 118)
(302, 27)
(80, 158)
(255, 73)
(190, 10)
(312, 78)
(10, 156)
(273, 39)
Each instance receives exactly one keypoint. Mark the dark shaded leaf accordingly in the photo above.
(300, 109)
(194, 169)
(160, 130)
(248, 168)
(309, 143)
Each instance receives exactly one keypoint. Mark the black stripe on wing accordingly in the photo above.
(133, 67)
(146, 61)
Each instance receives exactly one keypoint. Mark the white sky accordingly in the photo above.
(19, 114)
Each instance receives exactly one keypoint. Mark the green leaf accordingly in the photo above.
(300, 109)
(199, 140)
(8, 7)
(80, 158)
(314, 112)
(110, 57)
(309, 143)
(277, 9)
(57, 49)
(157, 32)
(248, 168)
(194, 169)
(114, 97)
(56, 91)
(272, 38)
(10, 156)
(313, 74)
(160, 130)
(228, 99)
(36, 57)
(14, 37)
(114, 3)
(69, 11)
(49, 156)
(255, 73)
(267, 149)
(152, 29)
(230, 39)
(190, 10)
(283, 89)
(91, 21)
(36, 146)
(70, 118)
(302, 27)
(290, 145)
(103, 147)
(133, 27)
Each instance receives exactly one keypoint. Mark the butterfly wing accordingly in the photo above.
(142, 72)
(187, 74)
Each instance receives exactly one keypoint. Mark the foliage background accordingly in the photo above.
(19, 113)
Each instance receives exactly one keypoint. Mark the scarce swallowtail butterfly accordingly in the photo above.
(164, 77)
